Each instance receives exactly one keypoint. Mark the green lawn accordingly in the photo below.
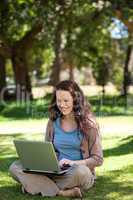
(114, 178)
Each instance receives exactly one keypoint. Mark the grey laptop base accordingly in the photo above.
(48, 173)
(38, 157)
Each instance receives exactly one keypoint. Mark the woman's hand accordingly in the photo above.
(64, 161)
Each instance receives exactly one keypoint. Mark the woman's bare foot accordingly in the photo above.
(74, 192)
(23, 190)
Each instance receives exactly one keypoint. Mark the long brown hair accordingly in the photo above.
(81, 107)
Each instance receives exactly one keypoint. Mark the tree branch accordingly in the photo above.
(5, 48)
(27, 41)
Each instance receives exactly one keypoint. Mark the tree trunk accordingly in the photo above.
(19, 62)
(103, 91)
(131, 67)
(2, 75)
(56, 68)
(22, 78)
(71, 75)
(126, 78)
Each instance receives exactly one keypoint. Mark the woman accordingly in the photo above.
(75, 135)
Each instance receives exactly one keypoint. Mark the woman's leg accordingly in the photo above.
(77, 176)
(73, 192)
(33, 183)
(67, 185)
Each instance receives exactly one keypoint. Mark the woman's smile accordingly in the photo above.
(64, 101)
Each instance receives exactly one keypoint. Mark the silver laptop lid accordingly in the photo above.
(37, 155)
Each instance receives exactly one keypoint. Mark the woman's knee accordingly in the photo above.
(81, 170)
(84, 176)
(14, 169)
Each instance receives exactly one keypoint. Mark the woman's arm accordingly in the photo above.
(49, 131)
(95, 149)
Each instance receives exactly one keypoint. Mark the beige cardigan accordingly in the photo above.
(90, 146)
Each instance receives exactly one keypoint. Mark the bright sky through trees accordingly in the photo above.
(118, 30)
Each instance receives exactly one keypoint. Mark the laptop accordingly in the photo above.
(38, 157)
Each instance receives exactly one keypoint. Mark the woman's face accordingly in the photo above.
(64, 101)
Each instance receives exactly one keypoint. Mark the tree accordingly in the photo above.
(127, 77)
(2, 74)
(61, 13)
(19, 61)
(125, 16)
(18, 32)
(56, 67)
(76, 32)
(122, 10)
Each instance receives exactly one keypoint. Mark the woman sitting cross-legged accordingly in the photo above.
(75, 135)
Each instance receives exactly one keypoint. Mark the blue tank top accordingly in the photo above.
(67, 144)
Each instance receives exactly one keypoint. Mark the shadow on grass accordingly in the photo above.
(14, 193)
(130, 137)
(6, 162)
(108, 186)
(6, 143)
(110, 183)
(7, 149)
(13, 136)
(122, 149)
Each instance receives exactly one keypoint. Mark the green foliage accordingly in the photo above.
(41, 59)
(18, 19)
(110, 105)
(29, 110)
(84, 27)
(9, 68)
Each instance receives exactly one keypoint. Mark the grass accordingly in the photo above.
(114, 178)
